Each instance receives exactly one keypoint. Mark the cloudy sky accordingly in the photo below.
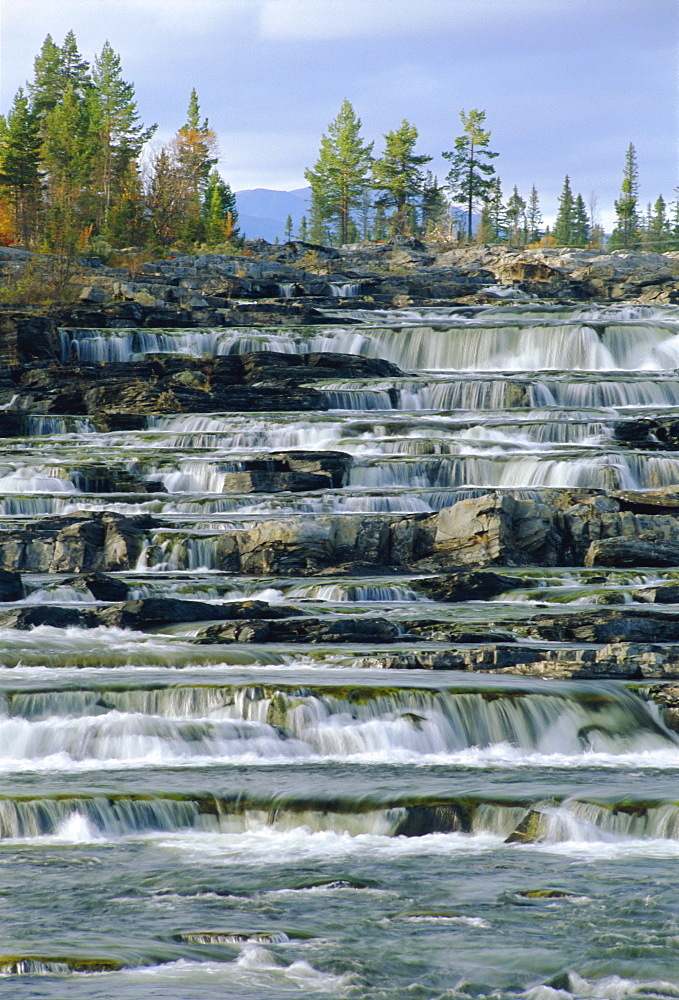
(566, 84)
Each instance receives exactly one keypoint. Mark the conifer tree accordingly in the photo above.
(515, 214)
(220, 213)
(288, 228)
(302, 232)
(19, 164)
(471, 174)
(122, 136)
(580, 231)
(433, 204)
(397, 175)
(496, 212)
(659, 227)
(57, 70)
(341, 173)
(563, 226)
(533, 217)
(626, 232)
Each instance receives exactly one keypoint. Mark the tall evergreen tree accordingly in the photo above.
(515, 213)
(433, 204)
(471, 174)
(397, 175)
(56, 70)
(341, 174)
(19, 164)
(626, 232)
(563, 226)
(220, 213)
(194, 154)
(580, 232)
(659, 227)
(533, 217)
(496, 217)
(122, 136)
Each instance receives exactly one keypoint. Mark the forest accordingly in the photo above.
(80, 173)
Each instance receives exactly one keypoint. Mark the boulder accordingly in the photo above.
(11, 586)
(496, 528)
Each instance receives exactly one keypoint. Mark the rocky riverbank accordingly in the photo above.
(298, 282)
(70, 370)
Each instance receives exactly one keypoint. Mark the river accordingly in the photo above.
(184, 821)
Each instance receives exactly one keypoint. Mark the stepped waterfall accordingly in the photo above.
(258, 819)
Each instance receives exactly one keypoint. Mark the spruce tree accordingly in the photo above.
(57, 70)
(433, 204)
(397, 175)
(563, 226)
(626, 232)
(220, 214)
(533, 217)
(471, 175)
(340, 175)
(515, 214)
(19, 164)
(122, 136)
(580, 224)
(659, 227)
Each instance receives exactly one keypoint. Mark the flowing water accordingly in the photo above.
(186, 821)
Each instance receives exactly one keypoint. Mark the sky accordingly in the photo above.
(566, 85)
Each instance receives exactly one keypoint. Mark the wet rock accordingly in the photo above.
(294, 471)
(100, 586)
(152, 612)
(529, 830)
(468, 586)
(11, 586)
(604, 627)
(666, 697)
(496, 528)
(306, 630)
(32, 617)
(625, 552)
(75, 544)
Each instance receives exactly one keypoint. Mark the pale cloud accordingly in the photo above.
(291, 20)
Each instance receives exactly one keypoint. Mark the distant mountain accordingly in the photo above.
(262, 212)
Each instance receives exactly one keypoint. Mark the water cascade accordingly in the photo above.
(254, 818)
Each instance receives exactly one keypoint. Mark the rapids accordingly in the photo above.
(261, 821)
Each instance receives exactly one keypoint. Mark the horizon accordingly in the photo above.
(574, 112)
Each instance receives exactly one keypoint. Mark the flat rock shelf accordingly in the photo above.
(342, 660)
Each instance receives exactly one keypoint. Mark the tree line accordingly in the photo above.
(77, 172)
(358, 196)
(71, 172)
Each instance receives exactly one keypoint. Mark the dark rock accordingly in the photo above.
(11, 587)
(152, 612)
(307, 630)
(468, 585)
(100, 586)
(605, 627)
(626, 552)
(32, 617)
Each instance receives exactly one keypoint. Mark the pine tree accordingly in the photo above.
(515, 214)
(580, 225)
(659, 227)
(471, 175)
(533, 217)
(433, 204)
(69, 151)
(57, 70)
(193, 151)
(19, 164)
(626, 232)
(302, 232)
(288, 228)
(220, 213)
(122, 136)
(340, 175)
(496, 212)
(563, 226)
(397, 175)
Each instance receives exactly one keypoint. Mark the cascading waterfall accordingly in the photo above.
(262, 819)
